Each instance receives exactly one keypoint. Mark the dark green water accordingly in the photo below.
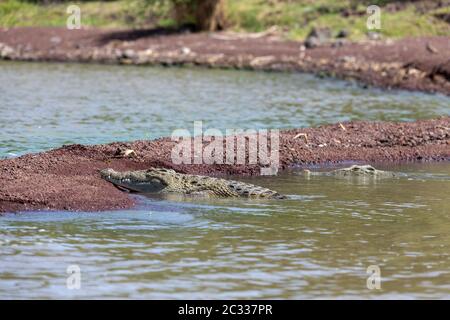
(317, 244)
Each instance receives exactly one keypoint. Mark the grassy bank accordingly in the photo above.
(295, 17)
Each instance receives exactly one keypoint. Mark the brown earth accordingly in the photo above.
(67, 178)
(413, 63)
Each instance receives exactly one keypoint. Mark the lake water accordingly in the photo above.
(47, 105)
(317, 244)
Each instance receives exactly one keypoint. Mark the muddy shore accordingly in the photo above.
(413, 64)
(67, 178)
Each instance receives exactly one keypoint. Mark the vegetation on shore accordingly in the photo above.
(294, 17)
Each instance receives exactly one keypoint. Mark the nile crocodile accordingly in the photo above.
(355, 171)
(160, 180)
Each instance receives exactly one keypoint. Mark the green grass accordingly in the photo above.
(295, 17)
(111, 14)
(299, 17)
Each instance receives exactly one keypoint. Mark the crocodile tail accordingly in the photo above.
(250, 190)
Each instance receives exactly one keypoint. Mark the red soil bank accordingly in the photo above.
(67, 178)
(415, 64)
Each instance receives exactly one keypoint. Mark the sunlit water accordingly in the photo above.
(316, 244)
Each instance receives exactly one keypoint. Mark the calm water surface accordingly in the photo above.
(47, 105)
(318, 243)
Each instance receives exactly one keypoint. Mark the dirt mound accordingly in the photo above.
(67, 178)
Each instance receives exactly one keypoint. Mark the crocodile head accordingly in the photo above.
(146, 181)
(363, 170)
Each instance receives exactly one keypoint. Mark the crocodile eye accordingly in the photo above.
(194, 182)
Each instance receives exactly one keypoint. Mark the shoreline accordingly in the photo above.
(67, 178)
(418, 64)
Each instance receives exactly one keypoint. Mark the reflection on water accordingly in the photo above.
(47, 105)
(318, 243)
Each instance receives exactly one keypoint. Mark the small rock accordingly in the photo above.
(185, 50)
(431, 49)
(372, 35)
(55, 40)
(126, 61)
(312, 42)
(317, 37)
(262, 61)
(6, 51)
(148, 52)
(129, 53)
(125, 153)
(118, 53)
(347, 59)
(321, 33)
(343, 33)
(339, 43)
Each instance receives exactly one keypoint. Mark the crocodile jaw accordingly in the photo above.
(160, 180)
(133, 181)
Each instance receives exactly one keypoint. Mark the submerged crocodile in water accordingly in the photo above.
(355, 171)
(160, 180)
